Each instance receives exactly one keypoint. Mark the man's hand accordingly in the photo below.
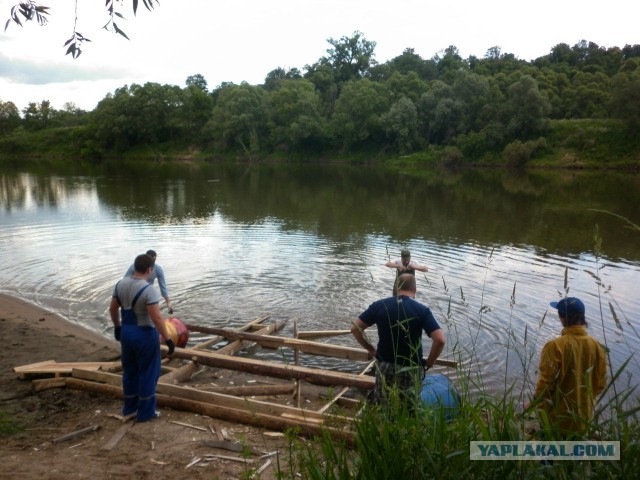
(169, 307)
(116, 333)
(171, 346)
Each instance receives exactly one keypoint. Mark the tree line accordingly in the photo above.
(348, 103)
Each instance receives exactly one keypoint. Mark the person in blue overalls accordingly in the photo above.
(135, 313)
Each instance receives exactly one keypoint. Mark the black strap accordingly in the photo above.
(135, 299)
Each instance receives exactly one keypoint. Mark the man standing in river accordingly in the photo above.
(400, 320)
(572, 373)
(404, 265)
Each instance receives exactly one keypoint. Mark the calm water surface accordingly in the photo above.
(311, 242)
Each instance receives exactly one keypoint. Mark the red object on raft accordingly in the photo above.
(177, 331)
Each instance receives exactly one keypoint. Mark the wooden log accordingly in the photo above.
(322, 333)
(180, 375)
(305, 346)
(219, 338)
(272, 369)
(237, 345)
(254, 390)
(224, 412)
(297, 394)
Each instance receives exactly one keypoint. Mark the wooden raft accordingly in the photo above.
(232, 403)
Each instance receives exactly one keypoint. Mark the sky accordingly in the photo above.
(243, 40)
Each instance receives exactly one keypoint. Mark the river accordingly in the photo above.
(310, 242)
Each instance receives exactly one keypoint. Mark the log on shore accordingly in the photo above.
(223, 412)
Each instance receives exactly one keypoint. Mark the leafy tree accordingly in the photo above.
(527, 109)
(410, 86)
(625, 99)
(195, 110)
(408, 62)
(401, 124)
(449, 64)
(357, 115)
(439, 113)
(275, 78)
(322, 77)
(240, 117)
(351, 57)
(296, 122)
(9, 117)
(37, 115)
(197, 81)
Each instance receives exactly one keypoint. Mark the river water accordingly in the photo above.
(310, 243)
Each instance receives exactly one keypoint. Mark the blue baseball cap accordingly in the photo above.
(569, 306)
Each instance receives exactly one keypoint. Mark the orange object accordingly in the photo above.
(177, 331)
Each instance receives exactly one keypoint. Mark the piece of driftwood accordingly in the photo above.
(76, 434)
(116, 437)
(273, 369)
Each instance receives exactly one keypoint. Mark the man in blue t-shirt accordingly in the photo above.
(400, 321)
(158, 273)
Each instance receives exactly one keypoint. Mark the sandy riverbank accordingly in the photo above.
(159, 449)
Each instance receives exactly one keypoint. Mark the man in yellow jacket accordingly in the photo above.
(572, 373)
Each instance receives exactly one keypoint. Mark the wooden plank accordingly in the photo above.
(63, 367)
(116, 437)
(47, 383)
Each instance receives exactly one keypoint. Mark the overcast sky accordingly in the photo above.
(243, 40)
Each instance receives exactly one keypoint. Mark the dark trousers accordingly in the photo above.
(140, 370)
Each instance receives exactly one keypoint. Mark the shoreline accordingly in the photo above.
(19, 311)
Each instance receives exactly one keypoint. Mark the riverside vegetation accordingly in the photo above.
(578, 106)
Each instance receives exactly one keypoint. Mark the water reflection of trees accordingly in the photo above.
(549, 210)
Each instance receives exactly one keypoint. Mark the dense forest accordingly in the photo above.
(348, 105)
